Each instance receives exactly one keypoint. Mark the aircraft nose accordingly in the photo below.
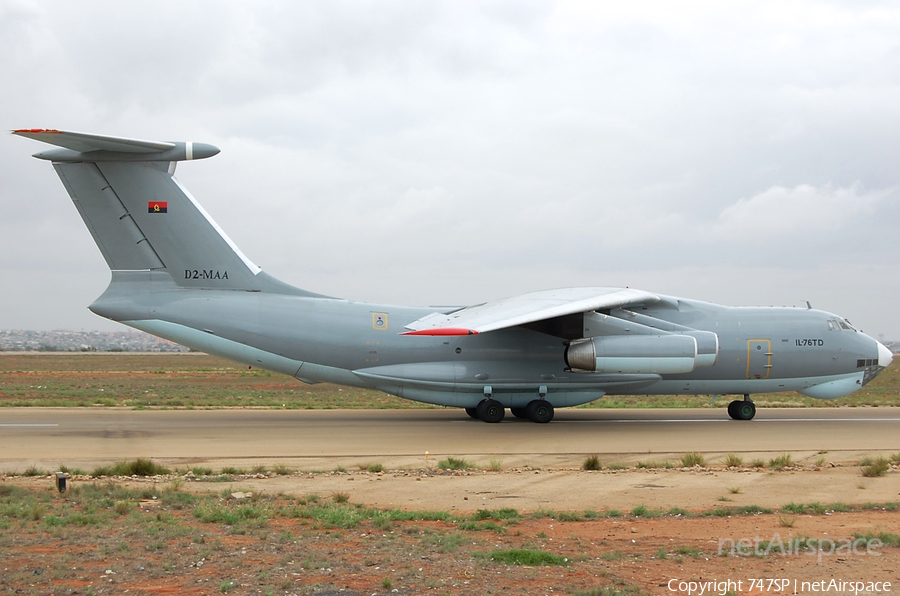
(884, 355)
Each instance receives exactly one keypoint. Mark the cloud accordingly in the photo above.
(798, 212)
(454, 152)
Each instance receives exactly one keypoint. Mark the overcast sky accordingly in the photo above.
(454, 152)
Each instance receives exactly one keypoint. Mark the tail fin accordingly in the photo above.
(140, 216)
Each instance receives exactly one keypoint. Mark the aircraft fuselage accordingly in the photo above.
(761, 349)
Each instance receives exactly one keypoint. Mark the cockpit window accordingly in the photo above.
(845, 324)
(839, 324)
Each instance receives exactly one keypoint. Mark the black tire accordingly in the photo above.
(472, 412)
(732, 412)
(491, 410)
(745, 410)
(540, 411)
(519, 412)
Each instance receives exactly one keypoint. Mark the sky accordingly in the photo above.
(448, 153)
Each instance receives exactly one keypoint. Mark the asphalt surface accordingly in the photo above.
(324, 439)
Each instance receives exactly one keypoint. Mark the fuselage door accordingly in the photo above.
(759, 358)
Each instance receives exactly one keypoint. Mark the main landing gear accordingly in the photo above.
(491, 410)
(742, 409)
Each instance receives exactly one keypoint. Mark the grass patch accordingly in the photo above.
(340, 515)
(454, 463)
(32, 471)
(733, 460)
(524, 556)
(876, 467)
(651, 464)
(733, 511)
(644, 511)
(689, 460)
(687, 551)
(471, 526)
(372, 467)
(811, 508)
(446, 543)
(73, 471)
(504, 514)
(616, 555)
(138, 467)
(591, 463)
(781, 462)
(230, 513)
(786, 522)
(886, 538)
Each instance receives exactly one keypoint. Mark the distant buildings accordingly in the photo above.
(14, 340)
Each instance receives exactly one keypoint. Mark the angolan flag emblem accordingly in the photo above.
(157, 207)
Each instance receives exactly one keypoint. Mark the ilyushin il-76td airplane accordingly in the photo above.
(176, 275)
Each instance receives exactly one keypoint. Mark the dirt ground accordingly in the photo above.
(620, 532)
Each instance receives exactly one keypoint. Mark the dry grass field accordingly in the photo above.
(136, 529)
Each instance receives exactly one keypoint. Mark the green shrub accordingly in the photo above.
(139, 467)
(592, 463)
(453, 463)
(32, 471)
(496, 514)
(876, 467)
(733, 460)
(781, 462)
(689, 460)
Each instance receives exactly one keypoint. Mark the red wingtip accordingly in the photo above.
(443, 331)
(36, 130)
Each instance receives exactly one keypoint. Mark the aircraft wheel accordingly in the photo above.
(491, 410)
(731, 411)
(742, 409)
(540, 411)
(472, 412)
(745, 410)
(519, 412)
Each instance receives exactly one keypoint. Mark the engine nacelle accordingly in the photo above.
(637, 354)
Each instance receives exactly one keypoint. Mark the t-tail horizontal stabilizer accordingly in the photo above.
(79, 146)
(142, 218)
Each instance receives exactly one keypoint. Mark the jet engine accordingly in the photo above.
(636, 354)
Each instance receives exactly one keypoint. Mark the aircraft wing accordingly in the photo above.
(526, 308)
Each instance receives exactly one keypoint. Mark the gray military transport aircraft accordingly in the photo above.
(175, 274)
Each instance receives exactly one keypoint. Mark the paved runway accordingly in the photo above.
(323, 439)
